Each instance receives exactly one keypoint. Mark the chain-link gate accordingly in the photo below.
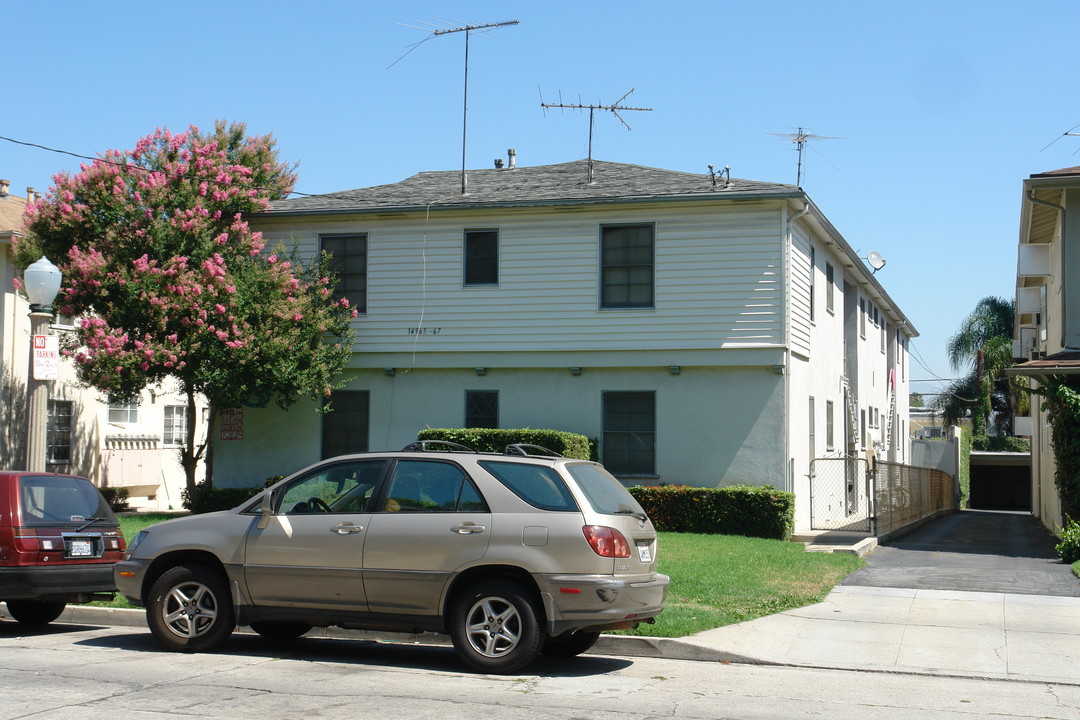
(840, 494)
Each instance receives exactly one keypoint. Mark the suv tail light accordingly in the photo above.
(606, 541)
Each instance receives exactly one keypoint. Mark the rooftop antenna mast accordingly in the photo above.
(800, 139)
(467, 29)
(613, 108)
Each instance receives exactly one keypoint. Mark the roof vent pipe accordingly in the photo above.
(498, 163)
(4, 185)
(512, 153)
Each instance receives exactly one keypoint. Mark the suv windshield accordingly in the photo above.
(605, 493)
(50, 500)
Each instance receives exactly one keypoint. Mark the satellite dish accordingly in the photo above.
(876, 261)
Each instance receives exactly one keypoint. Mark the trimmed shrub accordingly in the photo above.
(567, 444)
(117, 497)
(1000, 443)
(1069, 547)
(748, 510)
(211, 499)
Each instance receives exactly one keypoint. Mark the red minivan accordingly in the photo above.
(58, 543)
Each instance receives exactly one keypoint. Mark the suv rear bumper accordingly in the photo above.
(600, 602)
(68, 583)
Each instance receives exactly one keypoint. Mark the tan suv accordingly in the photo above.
(512, 554)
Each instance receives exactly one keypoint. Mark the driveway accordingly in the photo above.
(972, 551)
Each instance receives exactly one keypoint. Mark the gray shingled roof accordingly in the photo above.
(564, 183)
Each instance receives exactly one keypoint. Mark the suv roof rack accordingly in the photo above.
(422, 446)
(523, 450)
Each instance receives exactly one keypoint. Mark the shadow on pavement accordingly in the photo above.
(369, 652)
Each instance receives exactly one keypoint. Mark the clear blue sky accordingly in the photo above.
(943, 107)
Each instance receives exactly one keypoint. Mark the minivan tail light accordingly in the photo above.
(606, 541)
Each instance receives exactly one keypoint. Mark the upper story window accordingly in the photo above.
(626, 266)
(829, 277)
(174, 431)
(862, 318)
(481, 257)
(350, 264)
(126, 413)
(811, 288)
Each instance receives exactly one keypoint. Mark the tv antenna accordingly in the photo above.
(446, 29)
(801, 138)
(613, 108)
(1067, 133)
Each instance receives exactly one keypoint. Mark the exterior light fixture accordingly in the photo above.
(390, 372)
(575, 371)
(41, 280)
(674, 369)
(481, 371)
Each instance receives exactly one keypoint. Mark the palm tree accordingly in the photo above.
(983, 347)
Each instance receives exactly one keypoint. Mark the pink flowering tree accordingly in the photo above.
(169, 282)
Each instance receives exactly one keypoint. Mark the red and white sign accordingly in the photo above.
(232, 424)
(46, 357)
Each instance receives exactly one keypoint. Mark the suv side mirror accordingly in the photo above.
(266, 508)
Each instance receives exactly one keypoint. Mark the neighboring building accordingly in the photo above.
(704, 331)
(1047, 312)
(132, 446)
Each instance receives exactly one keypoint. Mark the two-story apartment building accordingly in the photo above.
(131, 445)
(705, 331)
(1047, 339)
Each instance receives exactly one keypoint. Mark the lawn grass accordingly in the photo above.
(716, 580)
(130, 525)
(719, 580)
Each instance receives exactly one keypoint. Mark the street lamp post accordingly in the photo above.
(42, 282)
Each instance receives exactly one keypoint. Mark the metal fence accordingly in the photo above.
(840, 495)
(846, 495)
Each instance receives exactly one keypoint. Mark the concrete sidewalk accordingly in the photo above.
(963, 634)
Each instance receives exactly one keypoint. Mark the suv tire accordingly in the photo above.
(569, 644)
(494, 627)
(189, 609)
(35, 612)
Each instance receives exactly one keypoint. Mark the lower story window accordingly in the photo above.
(345, 426)
(629, 445)
(58, 432)
(481, 408)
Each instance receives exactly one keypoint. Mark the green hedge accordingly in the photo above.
(211, 499)
(117, 497)
(567, 444)
(1000, 443)
(748, 510)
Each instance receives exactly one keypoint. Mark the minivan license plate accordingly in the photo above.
(81, 548)
(644, 554)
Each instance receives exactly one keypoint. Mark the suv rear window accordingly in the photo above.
(52, 500)
(537, 485)
(606, 494)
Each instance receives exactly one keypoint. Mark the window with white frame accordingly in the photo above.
(174, 431)
(124, 413)
(481, 257)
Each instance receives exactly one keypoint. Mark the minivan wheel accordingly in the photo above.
(189, 609)
(280, 629)
(494, 627)
(569, 644)
(35, 612)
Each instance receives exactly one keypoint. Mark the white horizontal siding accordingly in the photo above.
(801, 275)
(718, 281)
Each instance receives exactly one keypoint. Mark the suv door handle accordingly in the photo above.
(347, 528)
(468, 528)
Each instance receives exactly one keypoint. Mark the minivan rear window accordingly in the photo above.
(51, 500)
(537, 485)
(606, 494)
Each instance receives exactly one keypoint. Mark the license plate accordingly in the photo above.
(644, 554)
(81, 548)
